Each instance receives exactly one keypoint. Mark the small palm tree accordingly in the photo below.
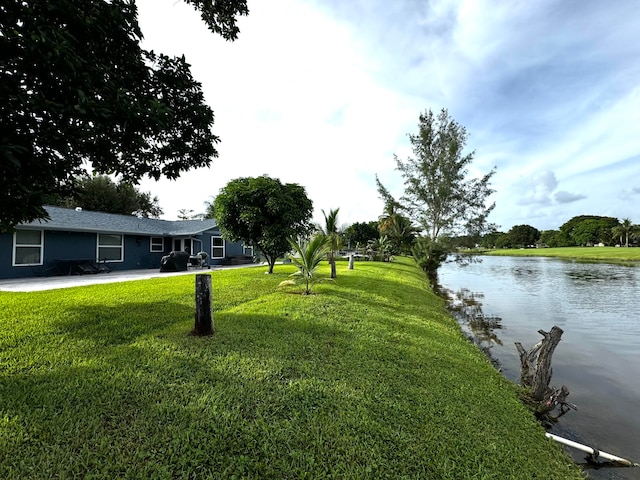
(307, 259)
(330, 230)
(379, 248)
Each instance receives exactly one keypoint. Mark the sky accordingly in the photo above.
(324, 93)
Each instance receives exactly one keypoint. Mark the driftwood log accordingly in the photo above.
(535, 364)
(536, 371)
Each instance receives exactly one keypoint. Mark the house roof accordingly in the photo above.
(71, 220)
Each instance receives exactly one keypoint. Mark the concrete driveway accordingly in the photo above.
(34, 284)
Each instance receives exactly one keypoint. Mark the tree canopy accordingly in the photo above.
(100, 193)
(264, 213)
(589, 229)
(359, 233)
(439, 195)
(523, 235)
(78, 91)
(554, 238)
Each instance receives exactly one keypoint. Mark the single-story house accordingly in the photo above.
(71, 238)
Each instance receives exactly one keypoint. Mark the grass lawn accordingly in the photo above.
(369, 378)
(605, 254)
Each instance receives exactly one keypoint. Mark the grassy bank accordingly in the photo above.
(603, 254)
(369, 378)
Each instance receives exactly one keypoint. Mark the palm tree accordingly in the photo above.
(330, 230)
(396, 227)
(379, 248)
(307, 259)
(625, 229)
(400, 231)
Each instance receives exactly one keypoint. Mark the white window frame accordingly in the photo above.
(223, 247)
(17, 245)
(120, 247)
(153, 247)
(247, 250)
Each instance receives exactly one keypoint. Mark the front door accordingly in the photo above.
(190, 245)
(182, 245)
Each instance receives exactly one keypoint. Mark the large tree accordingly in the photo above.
(554, 238)
(523, 235)
(100, 193)
(439, 195)
(77, 90)
(589, 229)
(263, 212)
(359, 233)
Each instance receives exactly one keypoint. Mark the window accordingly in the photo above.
(110, 248)
(27, 247)
(247, 250)
(157, 244)
(217, 247)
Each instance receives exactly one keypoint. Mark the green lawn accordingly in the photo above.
(369, 378)
(615, 254)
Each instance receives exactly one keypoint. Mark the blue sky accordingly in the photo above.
(324, 92)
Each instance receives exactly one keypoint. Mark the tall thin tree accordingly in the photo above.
(438, 195)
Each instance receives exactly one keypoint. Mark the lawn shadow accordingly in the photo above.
(110, 325)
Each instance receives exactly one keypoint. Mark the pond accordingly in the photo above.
(502, 300)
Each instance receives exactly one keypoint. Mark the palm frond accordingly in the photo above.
(307, 259)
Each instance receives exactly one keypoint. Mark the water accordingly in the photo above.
(503, 300)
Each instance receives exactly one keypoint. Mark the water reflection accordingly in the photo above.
(466, 307)
(602, 275)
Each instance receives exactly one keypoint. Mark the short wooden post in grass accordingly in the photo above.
(204, 313)
(351, 261)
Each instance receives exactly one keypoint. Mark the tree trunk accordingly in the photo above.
(204, 313)
(333, 268)
(271, 261)
(351, 259)
(538, 376)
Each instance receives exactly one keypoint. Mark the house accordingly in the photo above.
(73, 238)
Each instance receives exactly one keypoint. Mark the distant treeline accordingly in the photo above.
(583, 230)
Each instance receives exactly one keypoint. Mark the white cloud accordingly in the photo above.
(537, 189)
(323, 93)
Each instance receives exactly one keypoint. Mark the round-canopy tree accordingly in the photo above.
(360, 233)
(523, 235)
(589, 229)
(263, 212)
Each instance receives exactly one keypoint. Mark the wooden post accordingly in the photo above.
(351, 262)
(204, 313)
